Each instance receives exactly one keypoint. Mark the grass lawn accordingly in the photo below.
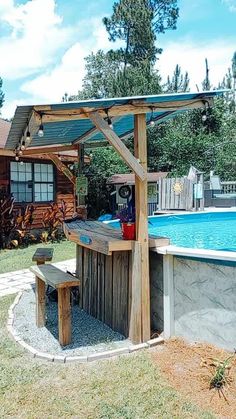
(15, 259)
(128, 387)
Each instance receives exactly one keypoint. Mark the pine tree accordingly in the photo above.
(136, 22)
(1, 94)
(178, 83)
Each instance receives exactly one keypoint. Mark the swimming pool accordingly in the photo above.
(211, 230)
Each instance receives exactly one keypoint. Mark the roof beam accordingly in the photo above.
(119, 146)
(62, 167)
(49, 149)
(135, 107)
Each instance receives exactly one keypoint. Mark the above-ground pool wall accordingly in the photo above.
(156, 291)
(203, 304)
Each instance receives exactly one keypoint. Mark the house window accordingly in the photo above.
(43, 182)
(32, 182)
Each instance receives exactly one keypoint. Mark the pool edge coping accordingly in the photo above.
(73, 358)
(196, 253)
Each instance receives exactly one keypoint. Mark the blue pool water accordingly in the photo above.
(212, 230)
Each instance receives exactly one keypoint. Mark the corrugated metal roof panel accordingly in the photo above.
(68, 131)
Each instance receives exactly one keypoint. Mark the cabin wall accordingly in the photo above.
(64, 189)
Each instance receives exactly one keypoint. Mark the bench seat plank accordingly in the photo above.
(43, 255)
(54, 276)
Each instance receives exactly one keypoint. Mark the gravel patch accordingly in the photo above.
(89, 335)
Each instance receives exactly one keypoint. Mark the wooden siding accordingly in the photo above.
(105, 287)
(64, 190)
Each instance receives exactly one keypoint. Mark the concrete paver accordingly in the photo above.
(13, 282)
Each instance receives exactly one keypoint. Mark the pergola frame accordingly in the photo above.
(140, 304)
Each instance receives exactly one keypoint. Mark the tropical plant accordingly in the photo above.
(15, 224)
(7, 220)
(52, 220)
(21, 233)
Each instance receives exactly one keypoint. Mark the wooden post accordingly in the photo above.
(64, 316)
(80, 199)
(135, 324)
(40, 301)
(140, 151)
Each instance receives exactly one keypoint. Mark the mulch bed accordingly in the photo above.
(187, 368)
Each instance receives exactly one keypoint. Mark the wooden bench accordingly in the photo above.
(42, 255)
(62, 282)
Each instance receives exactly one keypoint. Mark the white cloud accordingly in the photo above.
(67, 76)
(231, 5)
(191, 58)
(35, 35)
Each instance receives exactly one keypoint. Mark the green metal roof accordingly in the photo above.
(68, 131)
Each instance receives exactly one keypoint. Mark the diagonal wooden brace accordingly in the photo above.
(119, 146)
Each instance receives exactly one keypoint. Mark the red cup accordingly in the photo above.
(128, 231)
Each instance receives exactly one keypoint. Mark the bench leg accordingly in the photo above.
(40, 302)
(64, 316)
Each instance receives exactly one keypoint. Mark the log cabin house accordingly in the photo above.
(36, 179)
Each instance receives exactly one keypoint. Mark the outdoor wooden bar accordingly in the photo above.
(105, 265)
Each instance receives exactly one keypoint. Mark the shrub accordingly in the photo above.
(52, 220)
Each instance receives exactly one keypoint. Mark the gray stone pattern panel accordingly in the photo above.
(156, 291)
(205, 302)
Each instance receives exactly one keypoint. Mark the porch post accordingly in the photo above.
(141, 206)
(81, 199)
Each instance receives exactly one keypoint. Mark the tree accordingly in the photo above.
(234, 80)
(130, 69)
(136, 22)
(206, 84)
(1, 94)
(105, 78)
(229, 82)
(178, 83)
(105, 162)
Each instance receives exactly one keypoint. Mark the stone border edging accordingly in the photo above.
(76, 358)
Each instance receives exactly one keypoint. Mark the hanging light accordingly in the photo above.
(22, 147)
(28, 138)
(205, 111)
(152, 121)
(41, 129)
(204, 115)
(109, 121)
(17, 158)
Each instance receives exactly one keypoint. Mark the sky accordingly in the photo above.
(43, 44)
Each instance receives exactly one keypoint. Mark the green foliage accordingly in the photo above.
(105, 78)
(1, 93)
(136, 22)
(105, 162)
(178, 83)
(52, 220)
(131, 22)
(6, 217)
(221, 374)
(15, 225)
(186, 140)
(129, 70)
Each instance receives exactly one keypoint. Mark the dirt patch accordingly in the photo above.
(188, 369)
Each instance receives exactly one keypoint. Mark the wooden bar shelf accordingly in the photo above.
(102, 238)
